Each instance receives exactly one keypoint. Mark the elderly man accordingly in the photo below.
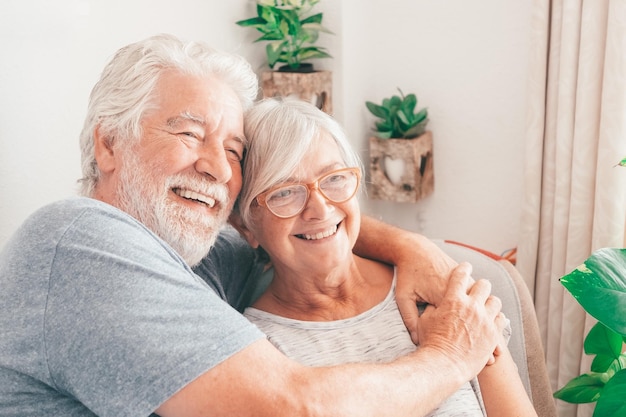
(103, 315)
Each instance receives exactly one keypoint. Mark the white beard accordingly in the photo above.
(143, 194)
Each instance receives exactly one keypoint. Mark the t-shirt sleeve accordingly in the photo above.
(232, 269)
(127, 322)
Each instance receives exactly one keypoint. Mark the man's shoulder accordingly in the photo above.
(74, 206)
(73, 220)
(84, 211)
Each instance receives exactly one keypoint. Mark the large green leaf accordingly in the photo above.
(623, 162)
(611, 402)
(585, 388)
(599, 285)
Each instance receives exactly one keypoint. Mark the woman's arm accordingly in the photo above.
(502, 389)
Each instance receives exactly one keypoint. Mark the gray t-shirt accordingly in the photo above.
(98, 316)
(377, 335)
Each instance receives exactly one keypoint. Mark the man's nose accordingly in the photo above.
(213, 161)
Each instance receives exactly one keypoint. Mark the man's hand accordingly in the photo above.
(423, 269)
(423, 273)
(466, 324)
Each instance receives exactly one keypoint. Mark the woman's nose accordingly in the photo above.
(318, 207)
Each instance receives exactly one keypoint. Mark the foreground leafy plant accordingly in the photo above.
(599, 285)
(398, 118)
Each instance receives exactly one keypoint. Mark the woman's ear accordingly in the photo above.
(236, 221)
(103, 151)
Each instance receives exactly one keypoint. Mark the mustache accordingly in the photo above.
(217, 191)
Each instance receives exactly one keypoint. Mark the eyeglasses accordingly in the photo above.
(289, 200)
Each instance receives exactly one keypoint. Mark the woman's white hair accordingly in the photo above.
(280, 131)
(124, 93)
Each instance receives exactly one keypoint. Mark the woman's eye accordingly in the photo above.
(279, 194)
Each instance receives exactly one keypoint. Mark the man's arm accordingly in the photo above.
(423, 269)
(458, 337)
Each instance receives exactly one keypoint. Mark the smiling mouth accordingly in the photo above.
(195, 197)
(321, 235)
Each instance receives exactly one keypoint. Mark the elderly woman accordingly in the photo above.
(325, 305)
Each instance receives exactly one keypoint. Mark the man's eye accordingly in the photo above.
(189, 134)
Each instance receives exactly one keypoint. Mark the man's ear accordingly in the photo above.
(103, 151)
(236, 221)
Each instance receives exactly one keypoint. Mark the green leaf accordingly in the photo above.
(316, 18)
(253, 21)
(421, 115)
(376, 110)
(384, 126)
(622, 162)
(607, 364)
(312, 52)
(402, 117)
(271, 36)
(273, 52)
(602, 363)
(611, 401)
(309, 35)
(394, 103)
(414, 132)
(409, 103)
(599, 285)
(585, 388)
(603, 341)
(268, 13)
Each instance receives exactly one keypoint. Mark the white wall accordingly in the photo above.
(466, 61)
(51, 54)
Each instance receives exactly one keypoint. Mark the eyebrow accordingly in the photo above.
(174, 122)
(185, 116)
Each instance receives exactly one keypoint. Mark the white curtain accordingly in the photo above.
(575, 196)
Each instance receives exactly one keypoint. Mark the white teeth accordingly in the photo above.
(192, 195)
(321, 235)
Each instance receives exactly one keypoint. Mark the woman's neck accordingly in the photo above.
(339, 294)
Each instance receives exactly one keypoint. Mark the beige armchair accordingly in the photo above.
(525, 345)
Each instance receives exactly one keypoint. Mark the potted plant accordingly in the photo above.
(599, 285)
(291, 33)
(401, 164)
